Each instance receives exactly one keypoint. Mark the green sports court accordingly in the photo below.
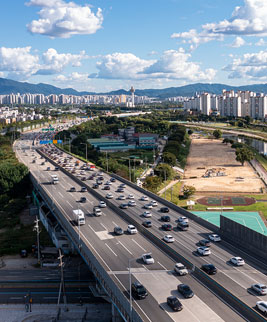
(249, 219)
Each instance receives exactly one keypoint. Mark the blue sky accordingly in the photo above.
(101, 45)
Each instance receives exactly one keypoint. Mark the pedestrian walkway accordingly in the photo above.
(172, 183)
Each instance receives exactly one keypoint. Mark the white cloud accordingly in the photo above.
(61, 19)
(73, 77)
(238, 42)
(249, 66)
(171, 65)
(247, 20)
(261, 42)
(2, 74)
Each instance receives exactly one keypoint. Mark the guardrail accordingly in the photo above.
(242, 308)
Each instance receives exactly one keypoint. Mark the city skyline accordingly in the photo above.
(102, 45)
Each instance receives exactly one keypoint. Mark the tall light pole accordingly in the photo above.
(85, 150)
(130, 170)
(107, 159)
(37, 229)
(130, 285)
(69, 145)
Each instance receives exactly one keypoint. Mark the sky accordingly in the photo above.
(103, 45)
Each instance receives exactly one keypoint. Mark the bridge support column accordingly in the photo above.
(116, 315)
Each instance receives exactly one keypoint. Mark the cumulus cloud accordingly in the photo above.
(247, 20)
(250, 66)
(73, 77)
(171, 65)
(238, 42)
(58, 18)
(261, 42)
(21, 63)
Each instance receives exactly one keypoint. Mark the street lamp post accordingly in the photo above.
(85, 149)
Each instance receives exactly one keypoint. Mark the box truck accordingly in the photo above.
(79, 217)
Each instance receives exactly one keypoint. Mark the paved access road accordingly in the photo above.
(114, 252)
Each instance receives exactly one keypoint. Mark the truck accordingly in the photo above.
(79, 217)
(54, 179)
(183, 225)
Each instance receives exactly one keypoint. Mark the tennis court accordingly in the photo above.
(249, 219)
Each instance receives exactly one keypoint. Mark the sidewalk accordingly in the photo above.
(172, 183)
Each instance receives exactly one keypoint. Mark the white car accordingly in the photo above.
(109, 196)
(153, 203)
(130, 196)
(108, 183)
(148, 259)
(132, 203)
(237, 261)
(183, 219)
(180, 269)
(215, 237)
(131, 229)
(102, 204)
(148, 206)
(147, 214)
(204, 251)
(261, 289)
(262, 306)
(121, 197)
(144, 198)
(168, 239)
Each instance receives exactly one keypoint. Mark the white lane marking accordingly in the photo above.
(125, 247)
(69, 204)
(145, 267)
(111, 250)
(60, 194)
(114, 223)
(138, 245)
(50, 297)
(162, 266)
(15, 298)
(91, 228)
(103, 226)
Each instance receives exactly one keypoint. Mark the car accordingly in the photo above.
(83, 179)
(83, 199)
(262, 306)
(124, 206)
(95, 186)
(167, 227)
(101, 178)
(102, 204)
(204, 242)
(147, 223)
(56, 168)
(148, 259)
(144, 198)
(97, 211)
(237, 261)
(215, 237)
(153, 203)
(164, 209)
(168, 239)
(147, 214)
(130, 196)
(180, 269)
(131, 229)
(109, 195)
(123, 185)
(174, 303)
(139, 291)
(72, 189)
(83, 189)
(112, 180)
(185, 290)
(48, 169)
(205, 251)
(120, 190)
(183, 219)
(43, 163)
(33, 161)
(118, 230)
(108, 183)
(106, 188)
(99, 182)
(148, 206)
(91, 178)
(209, 268)
(121, 197)
(261, 289)
(165, 218)
(131, 203)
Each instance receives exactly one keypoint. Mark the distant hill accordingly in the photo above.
(8, 86)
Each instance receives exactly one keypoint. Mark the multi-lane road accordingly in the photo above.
(114, 252)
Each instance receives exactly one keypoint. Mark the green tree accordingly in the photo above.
(243, 154)
(217, 134)
(169, 158)
(190, 132)
(188, 191)
(163, 170)
(152, 183)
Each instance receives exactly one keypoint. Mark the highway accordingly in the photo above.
(114, 252)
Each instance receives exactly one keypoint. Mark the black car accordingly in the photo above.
(91, 178)
(167, 227)
(72, 189)
(118, 230)
(101, 178)
(205, 242)
(99, 182)
(139, 291)
(83, 199)
(209, 268)
(174, 303)
(120, 190)
(95, 186)
(83, 189)
(112, 180)
(165, 218)
(106, 188)
(147, 223)
(123, 185)
(164, 209)
(185, 290)
(83, 178)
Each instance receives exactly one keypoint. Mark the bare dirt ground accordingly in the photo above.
(213, 154)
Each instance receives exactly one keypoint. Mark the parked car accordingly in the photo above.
(165, 218)
(118, 230)
(215, 237)
(261, 289)
(237, 261)
(131, 229)
(139, 291)
(185, 290)
(147, 223)
(209, 269)
(148, 259)
(174, 303)
(205, 251)
(164, 209)
(168, 239)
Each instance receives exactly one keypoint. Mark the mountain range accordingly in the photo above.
(8, 86)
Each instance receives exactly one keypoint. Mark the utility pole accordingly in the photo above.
(62, 284)
(85, 150)
(37, 229)
(171, 193)
(107, 159)
(69, 145)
